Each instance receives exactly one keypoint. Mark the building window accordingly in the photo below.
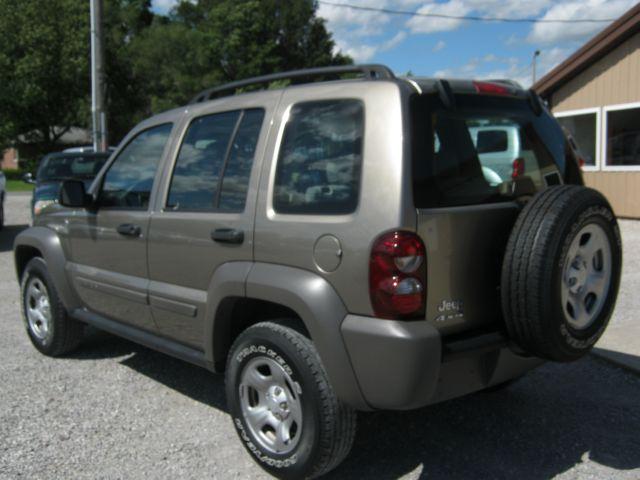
(583, 127)
(622, 136)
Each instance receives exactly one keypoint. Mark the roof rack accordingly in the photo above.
(371, 71)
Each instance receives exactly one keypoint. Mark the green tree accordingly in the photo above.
(212, 42)
(153, 63)
(126, 93)
(44, 69)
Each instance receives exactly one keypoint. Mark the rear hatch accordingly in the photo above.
(476, 157)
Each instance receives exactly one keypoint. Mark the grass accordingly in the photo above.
(18, 186)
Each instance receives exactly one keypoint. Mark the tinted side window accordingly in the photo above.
(320, 158)
(128, 182)
(238, 167)
(214, 164)
(194, 185)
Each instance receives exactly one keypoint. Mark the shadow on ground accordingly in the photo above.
(8, 234)
(539, 427)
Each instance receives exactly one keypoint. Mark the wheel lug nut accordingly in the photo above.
(277, 391)
(283, 405)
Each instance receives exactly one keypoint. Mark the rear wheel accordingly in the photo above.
(48, 325)
(561, 273)
(282, 404)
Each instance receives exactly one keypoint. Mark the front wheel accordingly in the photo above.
(282, 404)
(48, 325)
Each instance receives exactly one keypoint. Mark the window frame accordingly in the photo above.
(598, 147)
(272, 213)
(605, 140)
(99, 182)
(164, 207)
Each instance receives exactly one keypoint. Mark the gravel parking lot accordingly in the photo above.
(117, 410)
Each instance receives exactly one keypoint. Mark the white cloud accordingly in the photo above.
(354, 22)
(360, 53)
(432, 24)
(482, 8)
(495, 67)
(392, 43)
(548, 33)
(439, 46)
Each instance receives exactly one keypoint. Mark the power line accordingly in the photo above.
(471, 18)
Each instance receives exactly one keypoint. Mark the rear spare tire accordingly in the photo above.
(561, 273)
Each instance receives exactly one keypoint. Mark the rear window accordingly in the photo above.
(485, 150)
(73, 166)
(491, 141)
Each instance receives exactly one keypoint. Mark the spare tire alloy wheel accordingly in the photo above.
(561, 273)
(587, 276)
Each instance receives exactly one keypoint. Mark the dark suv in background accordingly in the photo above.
(54, 168)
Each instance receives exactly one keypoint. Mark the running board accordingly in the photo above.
(142, 337)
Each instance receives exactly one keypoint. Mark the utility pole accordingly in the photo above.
(536, 54)
(99, 118)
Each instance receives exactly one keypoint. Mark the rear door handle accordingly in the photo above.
(227, 235)
(129, 230)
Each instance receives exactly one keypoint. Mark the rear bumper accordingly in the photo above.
(404, 365)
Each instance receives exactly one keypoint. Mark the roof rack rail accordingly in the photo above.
(371, 71)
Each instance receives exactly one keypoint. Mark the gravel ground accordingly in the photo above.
(118, 410)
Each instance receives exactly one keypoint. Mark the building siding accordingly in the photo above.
(620, 188)
(613, 80)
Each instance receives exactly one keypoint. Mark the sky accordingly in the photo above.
(455, 48)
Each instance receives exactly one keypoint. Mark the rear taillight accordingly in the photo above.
(488, 88)
(397, 276)
(518, 168)
(581, 162)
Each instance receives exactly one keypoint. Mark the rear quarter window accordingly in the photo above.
(320, 158)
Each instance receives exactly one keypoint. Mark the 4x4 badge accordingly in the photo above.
(450, 310)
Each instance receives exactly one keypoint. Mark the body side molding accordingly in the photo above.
(142, 337)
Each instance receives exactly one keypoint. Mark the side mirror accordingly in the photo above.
(28, 178)
(72, 194)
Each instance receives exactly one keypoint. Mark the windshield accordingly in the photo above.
(486, 149)
(76, 166)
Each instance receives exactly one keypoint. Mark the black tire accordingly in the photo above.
(328, 426)
(64, 333)
(535, 262)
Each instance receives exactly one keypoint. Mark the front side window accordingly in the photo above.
(583, 130)
(320, 158)
(214, 164)
(623, 137)
(485, 150)
(129, 180)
